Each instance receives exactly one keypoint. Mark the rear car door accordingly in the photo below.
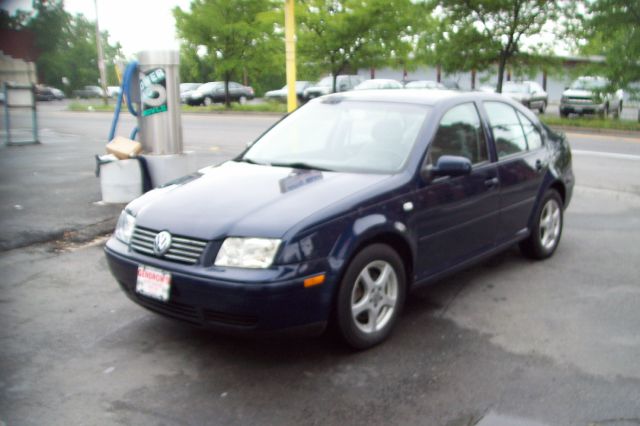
(522, 163)
(456, 217)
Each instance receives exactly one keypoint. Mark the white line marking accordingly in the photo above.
(606, 155)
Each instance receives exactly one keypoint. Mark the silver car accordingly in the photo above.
(588, 95)
(528, 93)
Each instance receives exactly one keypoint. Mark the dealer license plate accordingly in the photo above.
(153, 283)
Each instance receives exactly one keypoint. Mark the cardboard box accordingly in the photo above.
(124, 148)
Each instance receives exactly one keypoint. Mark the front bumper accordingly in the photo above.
(581, 108)
(200, 297)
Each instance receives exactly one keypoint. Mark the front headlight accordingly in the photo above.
(124, 227)
(247, 252)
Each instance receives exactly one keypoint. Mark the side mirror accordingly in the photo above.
(343, 87)
(447, 165)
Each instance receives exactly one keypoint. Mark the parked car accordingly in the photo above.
(528, 93)
(186, 89)
(47, 93)
(325, 86)
(385, 191)
(379, 83)
(424, 84)
(88, 92)
(212, 92)
(587, 95)
(113, 91)
(451, 85)
(281, 94)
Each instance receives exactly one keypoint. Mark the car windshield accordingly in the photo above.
(515, 88)
(208, 86)
(344, 136)
(588, 84)
(326, 82)
(184, 87)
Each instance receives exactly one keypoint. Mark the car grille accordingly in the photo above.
(182, 249)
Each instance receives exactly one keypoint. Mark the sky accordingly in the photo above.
(136, 24)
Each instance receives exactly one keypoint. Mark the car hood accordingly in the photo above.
(517, 96)
(278, 92)
(577, 93)
(242, 199)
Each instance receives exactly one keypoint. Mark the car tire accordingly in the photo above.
(242, 100)
(546, 229)
(564, 114)
(371, 296)
(207, 101)
(543, 107)
(618, 111)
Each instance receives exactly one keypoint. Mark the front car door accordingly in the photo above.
(522, 163)
(456, 217)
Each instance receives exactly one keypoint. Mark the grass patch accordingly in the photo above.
(77, 106)
(591, 122)
(262, 107)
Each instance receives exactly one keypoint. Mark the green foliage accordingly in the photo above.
(67, 45)
(612, 28)
(337, 36)
(478, 33)
(239, 37)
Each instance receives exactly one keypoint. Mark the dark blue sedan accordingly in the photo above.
(341, 208)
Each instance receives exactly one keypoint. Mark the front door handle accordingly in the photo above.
(539, 165)
(491, 183)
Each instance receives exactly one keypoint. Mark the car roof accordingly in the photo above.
(413, 96)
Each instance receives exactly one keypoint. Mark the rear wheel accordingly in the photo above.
(371, 296)
(547, 228)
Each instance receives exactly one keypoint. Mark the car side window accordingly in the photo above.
(534, 140)
(507, 131)
(460, 133)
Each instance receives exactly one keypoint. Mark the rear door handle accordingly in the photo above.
(538, 165)
(493, 182)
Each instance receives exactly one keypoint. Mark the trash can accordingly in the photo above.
(121, 181)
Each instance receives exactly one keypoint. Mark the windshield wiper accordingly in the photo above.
(250, 161)
(301, 165)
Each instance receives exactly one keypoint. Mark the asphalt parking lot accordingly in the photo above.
(508, 342)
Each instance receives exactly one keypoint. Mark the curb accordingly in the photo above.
(587, 130)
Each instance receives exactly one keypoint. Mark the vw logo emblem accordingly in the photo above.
(162, 243)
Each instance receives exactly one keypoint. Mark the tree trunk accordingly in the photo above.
(227, 98)
(335, 82)
(501, 67)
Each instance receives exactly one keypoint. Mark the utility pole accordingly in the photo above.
(290, 52)
(103, 78)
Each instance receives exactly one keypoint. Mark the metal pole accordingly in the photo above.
(34, 114)
(103, 78)
(290, 51)
(5, 89)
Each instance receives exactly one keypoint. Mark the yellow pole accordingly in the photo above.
(290, 51)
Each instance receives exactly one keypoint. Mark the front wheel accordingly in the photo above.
(242, 100)
(207, 101)
(547, 228)
(371, 296)
(543, 107)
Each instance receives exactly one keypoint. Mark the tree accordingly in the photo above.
(483, 32)
(239, 35)
(337, 35)
(612, 29)
(66, 44)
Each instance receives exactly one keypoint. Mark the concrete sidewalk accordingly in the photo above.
(49, 192)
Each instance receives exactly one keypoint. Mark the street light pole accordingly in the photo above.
(103, 78)
(290, 52)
